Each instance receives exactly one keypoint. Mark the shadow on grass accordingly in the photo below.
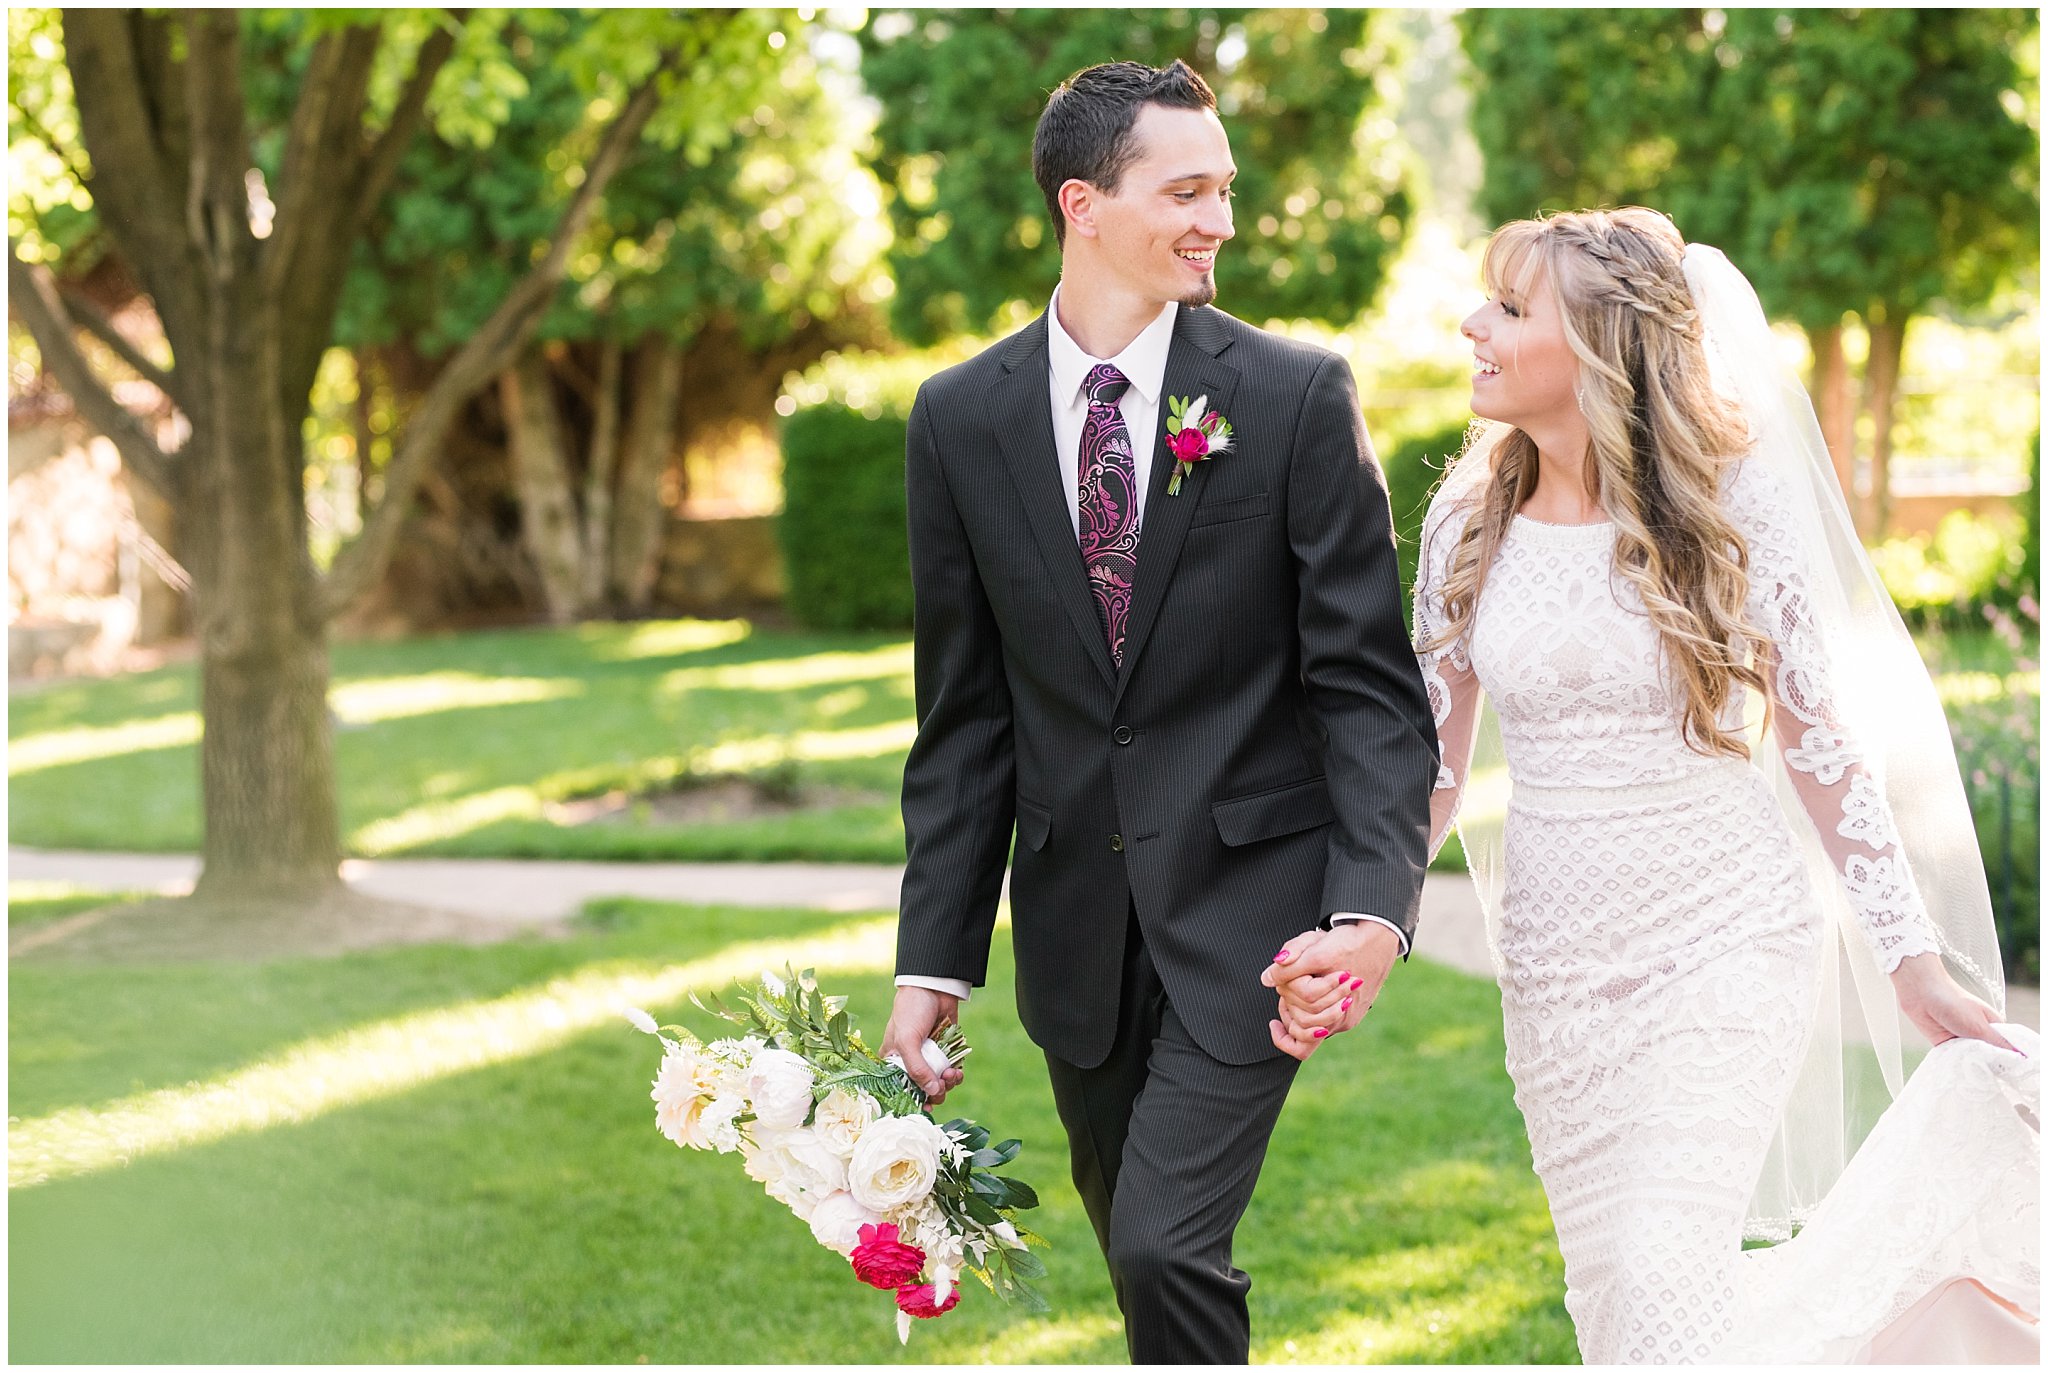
(527, 1210)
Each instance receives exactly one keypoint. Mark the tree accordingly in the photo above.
(241, 227)
(717, 266)
(1864, 163)
(1321, 207)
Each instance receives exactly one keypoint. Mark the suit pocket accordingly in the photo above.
(1034, 824)
(1223, 512)
(1269, 814)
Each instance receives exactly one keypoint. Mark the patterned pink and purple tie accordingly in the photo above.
(1109, 504)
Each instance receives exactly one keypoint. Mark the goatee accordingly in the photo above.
(1201, 293)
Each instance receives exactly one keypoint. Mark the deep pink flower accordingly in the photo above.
(1189, 445)
(916, 1301)
(881, 1260)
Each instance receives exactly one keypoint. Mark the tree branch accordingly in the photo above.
(487, 353)
(132, 184)
(382, 159)
(100, 327)
(321, 146)
(217, 200)
(33, 293)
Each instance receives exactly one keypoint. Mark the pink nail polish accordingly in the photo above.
(1358, 982)
(1320, 1033)
(1347, 1004)
(1283, 956)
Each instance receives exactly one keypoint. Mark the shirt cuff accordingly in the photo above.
(1353, 917)
(951, 986)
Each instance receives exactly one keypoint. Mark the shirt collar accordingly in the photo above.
(1143, 359)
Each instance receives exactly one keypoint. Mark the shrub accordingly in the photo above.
(1949, 578)
(1413, 467)
(845, 547)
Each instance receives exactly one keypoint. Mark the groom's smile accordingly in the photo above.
(1170, 215)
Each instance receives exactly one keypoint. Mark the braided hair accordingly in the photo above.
(1660, 438)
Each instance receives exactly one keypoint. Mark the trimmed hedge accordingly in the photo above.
(845, 544)
(1414, 467)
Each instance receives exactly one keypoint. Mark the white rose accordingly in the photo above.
(837, 1221)
(779, 1084)
(841, 1118)
(803, 1203)
(895, 1162)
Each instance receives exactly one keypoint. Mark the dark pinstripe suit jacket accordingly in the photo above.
(1264, 757)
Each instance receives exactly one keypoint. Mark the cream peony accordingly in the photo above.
(837, 1220)
(682, 1088)
(811, 1165)
(895, 1162)
(779, 1084)
(842, 1117)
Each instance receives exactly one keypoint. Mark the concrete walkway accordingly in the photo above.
(522, 892)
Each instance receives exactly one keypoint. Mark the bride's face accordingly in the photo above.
(1523, 367)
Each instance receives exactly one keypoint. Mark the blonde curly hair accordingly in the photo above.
(1660, 439)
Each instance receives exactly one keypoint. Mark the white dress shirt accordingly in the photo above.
(1143, 363)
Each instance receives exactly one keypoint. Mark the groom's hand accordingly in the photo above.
(917, 1016)
(1327, 981)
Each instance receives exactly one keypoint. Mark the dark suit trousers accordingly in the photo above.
(1167, 1144)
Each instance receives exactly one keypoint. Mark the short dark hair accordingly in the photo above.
(1085, 133)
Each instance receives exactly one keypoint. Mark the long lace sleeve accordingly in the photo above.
(1446, 673)
(1822, 756)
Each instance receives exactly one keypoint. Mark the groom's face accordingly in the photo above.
(1160, 231)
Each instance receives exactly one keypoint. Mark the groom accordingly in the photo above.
(1197, 709)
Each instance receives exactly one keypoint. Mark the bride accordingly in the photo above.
(1643, 546)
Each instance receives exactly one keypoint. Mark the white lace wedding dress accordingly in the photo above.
(1659, 947)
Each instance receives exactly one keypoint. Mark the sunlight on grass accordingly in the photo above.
(443, 819)
(378, 1060)
(1051, 1341)
(395, 698)
(661, 639)
(811, 745)
(1415, 1330)
(34, 752)
(784, 674)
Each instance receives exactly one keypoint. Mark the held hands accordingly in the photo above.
(1938, 1008)
(916, 1017)
(1327, 981)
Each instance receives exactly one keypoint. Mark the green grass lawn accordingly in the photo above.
(447, 1154)
(478, 745)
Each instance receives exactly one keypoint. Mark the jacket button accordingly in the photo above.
(1116, 843)
(1123, 734)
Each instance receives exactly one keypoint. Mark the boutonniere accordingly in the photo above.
(1194, 433)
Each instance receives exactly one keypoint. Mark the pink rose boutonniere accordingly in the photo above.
(1194, 433)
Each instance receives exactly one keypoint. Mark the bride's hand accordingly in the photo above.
(1938, 1008)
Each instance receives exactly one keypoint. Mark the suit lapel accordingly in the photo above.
(1192, 369)
(1022, 409)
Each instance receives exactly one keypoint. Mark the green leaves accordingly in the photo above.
(1862, 160)
(1321, 204)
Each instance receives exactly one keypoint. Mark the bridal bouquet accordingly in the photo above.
(842, 1138)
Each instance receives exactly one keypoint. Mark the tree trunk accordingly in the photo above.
(1834, 407)
(266, 755)
(1880, 399)
(540, 473)
(650, 437)
(597, 480)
